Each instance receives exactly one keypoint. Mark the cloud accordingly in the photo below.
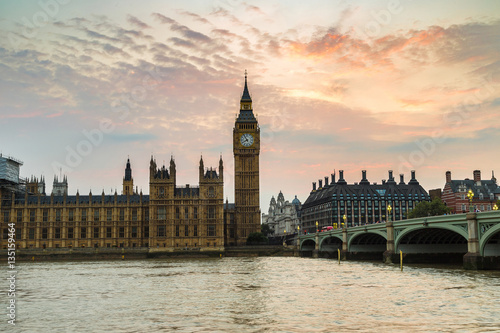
(136, 22)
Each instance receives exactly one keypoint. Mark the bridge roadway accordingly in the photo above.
(475, 237)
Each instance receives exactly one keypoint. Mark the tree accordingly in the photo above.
(266, 229)
(257, 238)
(433, 208)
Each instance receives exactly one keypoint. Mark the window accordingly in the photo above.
(96, 214)
(134, 215)
(84, 215)
(146, 214)
(5, 233)
(146, 232)
(58, 215)
(18, 233)
(44, 233)
(134, 232)
(45, 215)
(71, 215)
(186, 213)
(96, 232)
(109, 214)
(19, 215)
(211, 192)
(177, 230)
(83, 233)
(195, 212)
(31, 233)
(122, 214)
(32, 215)
(57, 233)
(211, 230)
(231, 233)
(161, 230)
(186, 230)
(162, 213)
(177, 213)
(70, 233)
(211, 212)
(122, 232)
(6, 217)
(195, 231)
(108, 232)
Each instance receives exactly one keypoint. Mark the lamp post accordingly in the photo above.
(470, 195)
(344, 218)
(317, 230)
(389, 210)
(495, 207)
(284, 237)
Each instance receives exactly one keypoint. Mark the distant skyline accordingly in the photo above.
(353, 85)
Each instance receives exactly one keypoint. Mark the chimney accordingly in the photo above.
(320, 183)
(341, 174)
(314, 186)
(363, 173)
(477, 176)
(326, 181)
(333, 178)
(390, 175)
(401, 179)
(448, 176)
(413, 175)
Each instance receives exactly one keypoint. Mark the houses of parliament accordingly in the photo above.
(170, 218)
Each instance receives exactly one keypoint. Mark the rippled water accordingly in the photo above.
(253, 295)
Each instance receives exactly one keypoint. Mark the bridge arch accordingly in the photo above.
(373, 241)
(307, 245)
(330, 243)
(489, 243)
(435, 239)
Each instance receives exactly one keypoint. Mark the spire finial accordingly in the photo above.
(245, 74)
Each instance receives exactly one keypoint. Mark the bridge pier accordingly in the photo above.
(315, 253)
(389, 256)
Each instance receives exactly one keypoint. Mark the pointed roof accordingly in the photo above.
(246, 95)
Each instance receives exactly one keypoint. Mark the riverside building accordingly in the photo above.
(360, 203)
(170, 218)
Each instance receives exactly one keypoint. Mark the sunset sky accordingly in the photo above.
(376, 85)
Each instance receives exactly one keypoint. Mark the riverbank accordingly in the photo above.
(143, 253)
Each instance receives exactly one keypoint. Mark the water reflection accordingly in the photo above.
(254, 295)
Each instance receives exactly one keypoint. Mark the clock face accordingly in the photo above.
(246, 139)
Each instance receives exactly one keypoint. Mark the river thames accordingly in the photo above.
(264, 294)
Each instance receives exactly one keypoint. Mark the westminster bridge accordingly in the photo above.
(472, 237)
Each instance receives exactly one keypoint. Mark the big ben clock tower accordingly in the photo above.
(246, 148)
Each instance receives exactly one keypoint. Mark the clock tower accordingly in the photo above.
(246, 149)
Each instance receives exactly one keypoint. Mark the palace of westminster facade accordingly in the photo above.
(169, 218)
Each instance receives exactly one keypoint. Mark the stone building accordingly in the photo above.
(283, 215)
(486, 193)
(361, 203)
(170, 218)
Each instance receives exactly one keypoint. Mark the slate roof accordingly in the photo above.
(83, 199)
(487, 187)
(389, 190)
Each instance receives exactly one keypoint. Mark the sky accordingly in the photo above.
(336, 85)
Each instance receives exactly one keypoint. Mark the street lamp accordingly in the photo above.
(344, 218)
(495, 207)
(317, 230)
(470, 195)
(389, 209)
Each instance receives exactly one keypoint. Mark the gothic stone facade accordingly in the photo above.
(171, 217)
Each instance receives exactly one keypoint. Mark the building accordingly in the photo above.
(170, 218)
(246, 149)
(360, 203)
(486, 193)
(283, 217)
